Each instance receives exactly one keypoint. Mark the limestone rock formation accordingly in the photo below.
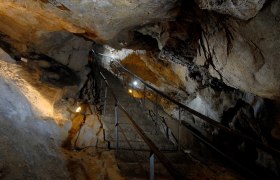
(49, 26)
(237, 8)
(245, 53)
(219, 57)
(5, 57)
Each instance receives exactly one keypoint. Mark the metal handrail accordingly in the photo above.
(161, 157)
(207, 119)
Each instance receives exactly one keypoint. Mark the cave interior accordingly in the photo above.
(128, 89)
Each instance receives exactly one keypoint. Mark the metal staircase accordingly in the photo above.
(136, 133)
(149, 128)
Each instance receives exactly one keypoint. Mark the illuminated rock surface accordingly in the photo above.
(219, 57)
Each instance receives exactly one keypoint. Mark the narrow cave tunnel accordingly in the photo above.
(128, 89)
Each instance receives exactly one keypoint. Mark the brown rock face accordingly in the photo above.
(48, 26)
(244, 52)
(97, 20)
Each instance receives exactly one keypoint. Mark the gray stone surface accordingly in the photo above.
(5, 57)
(242, 9)
(27, 142)
(65, 48)
(249, 61)
(49, 27)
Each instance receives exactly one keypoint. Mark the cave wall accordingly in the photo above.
(236, 8)
(245, 53)
(231, 55)
(242, 52)
(210, 55)
(242, 43)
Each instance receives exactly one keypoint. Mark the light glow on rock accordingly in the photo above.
(78, 109)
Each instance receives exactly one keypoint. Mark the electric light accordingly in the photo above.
(130, 91)
(78, 109)
(135, 83)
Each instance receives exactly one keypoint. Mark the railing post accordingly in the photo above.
(116, 127)
(105, 100)
(152, 166)
(179, 129)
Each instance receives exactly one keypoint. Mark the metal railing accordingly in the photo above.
(206, 119)
(155, 152)
(199, 115)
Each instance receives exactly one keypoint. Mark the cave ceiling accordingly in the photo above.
(213, 39)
